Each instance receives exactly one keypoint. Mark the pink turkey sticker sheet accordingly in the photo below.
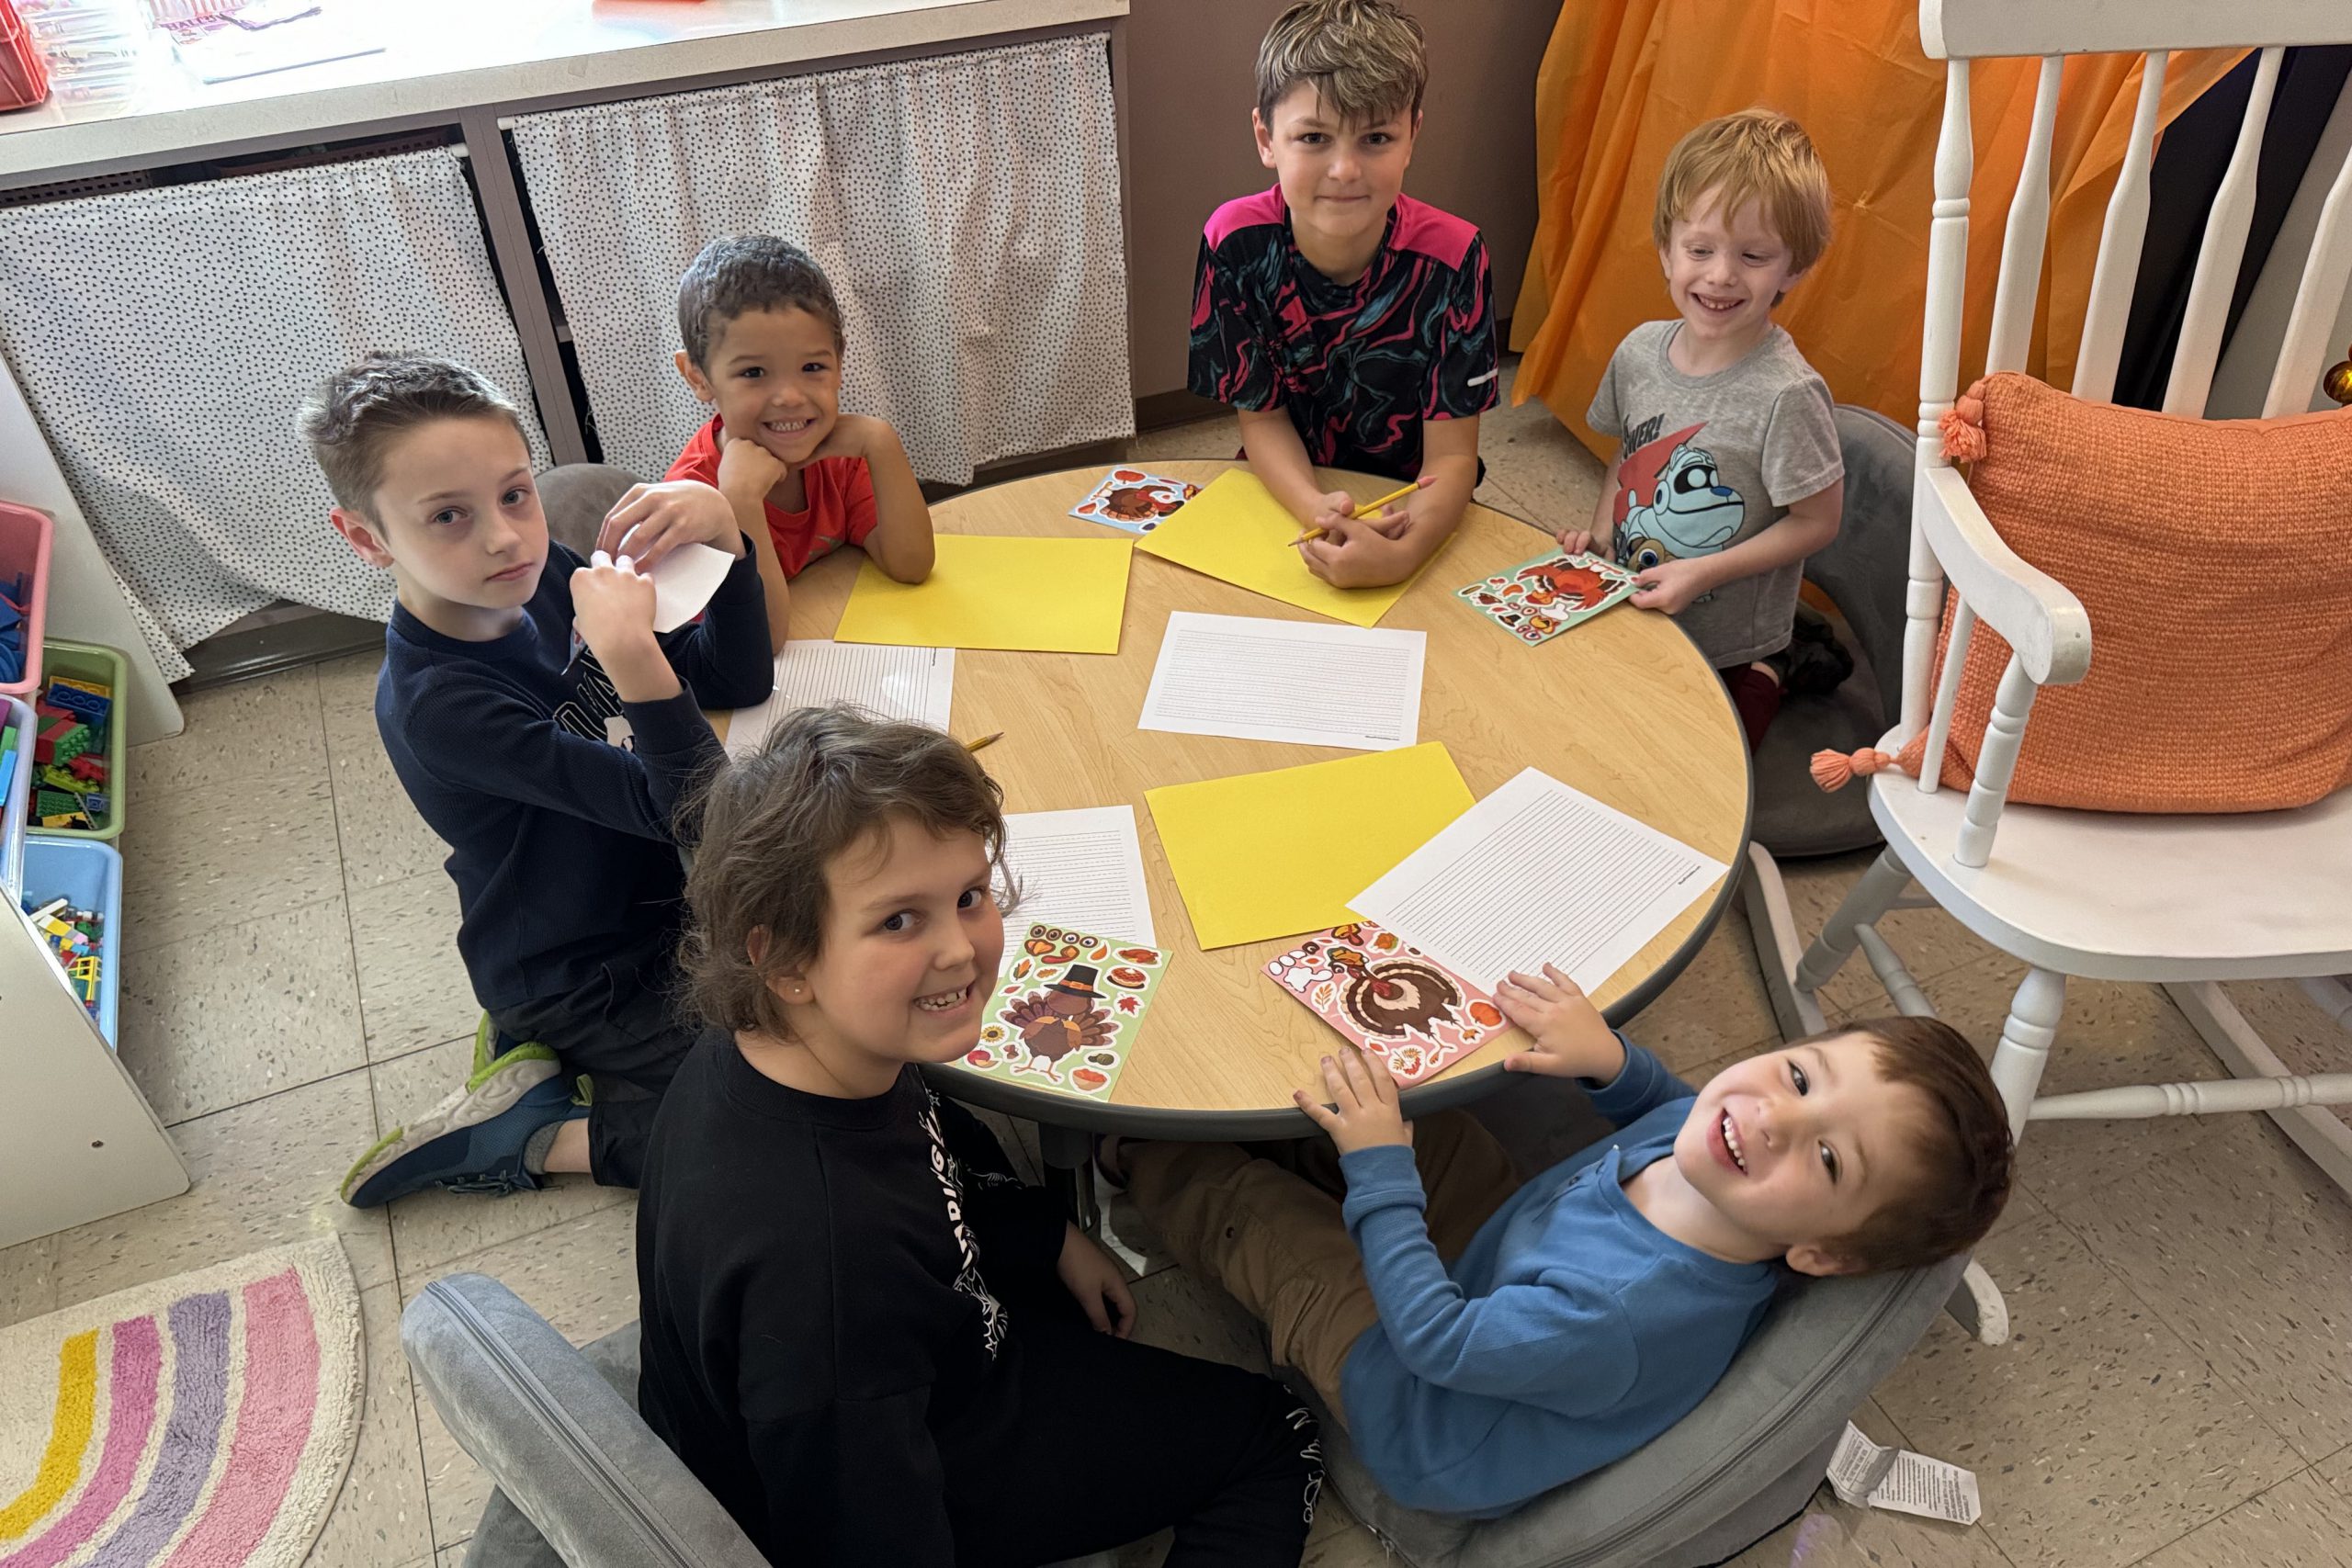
(1389, 998)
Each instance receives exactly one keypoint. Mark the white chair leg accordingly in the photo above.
(1881, 886)
(2321, 1135)
(1765, 900)
(2017, 1062)
(2332, 997)
(1976, 1305)
(2024, 1050)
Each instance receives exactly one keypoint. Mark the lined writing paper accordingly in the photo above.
(1305, 683)
(1082, 868)
(1538, 873)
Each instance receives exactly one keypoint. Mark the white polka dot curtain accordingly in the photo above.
(966, 210)
(165, 338)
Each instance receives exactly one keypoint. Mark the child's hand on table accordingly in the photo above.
(1092, 1276)
(1580, 542)
(652, 520)
(1360, 552)
(1671, 586)
(1572, 1040)
(1331, 506)
(1363, 1113)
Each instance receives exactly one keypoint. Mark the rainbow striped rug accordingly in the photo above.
(204, 1421)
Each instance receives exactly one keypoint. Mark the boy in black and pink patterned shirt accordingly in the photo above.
(1349, 326)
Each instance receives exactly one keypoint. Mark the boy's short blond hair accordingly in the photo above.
(1365, 59)
(1756, 155)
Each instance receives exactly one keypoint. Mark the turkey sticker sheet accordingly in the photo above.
(1134, 501)
(1068, 1005)
(1536, 601)
(1389, 998)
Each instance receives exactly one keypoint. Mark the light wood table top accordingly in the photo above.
(1623, 708)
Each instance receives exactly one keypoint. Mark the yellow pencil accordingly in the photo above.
(984, 740)
(1367, 509)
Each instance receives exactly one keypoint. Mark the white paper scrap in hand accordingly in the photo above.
(1082, 868)
(684, 581)
(1864, 1474)
(1538, 873)
(913, 685)
(1308, 684)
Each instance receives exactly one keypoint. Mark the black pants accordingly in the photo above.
(1125, 1439)
(623, 1033)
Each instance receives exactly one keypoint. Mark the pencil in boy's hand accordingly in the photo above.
(1400, 493)
(989, 739)
(1367, 509)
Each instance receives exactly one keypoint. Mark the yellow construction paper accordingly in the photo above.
(987, 591)
(1236, 530)
(1262, 855)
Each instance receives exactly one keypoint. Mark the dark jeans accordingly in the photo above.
(1124, 1439)
(622, 1032)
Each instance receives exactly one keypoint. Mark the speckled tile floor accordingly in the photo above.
(2178, 1394)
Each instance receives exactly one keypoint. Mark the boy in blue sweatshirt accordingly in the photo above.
(547, 735)
(1484, 1341)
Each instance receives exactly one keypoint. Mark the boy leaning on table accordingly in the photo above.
(1349, 326)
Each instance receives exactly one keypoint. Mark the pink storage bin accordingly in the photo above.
(24, 548)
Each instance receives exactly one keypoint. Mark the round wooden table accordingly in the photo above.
(1623, 708)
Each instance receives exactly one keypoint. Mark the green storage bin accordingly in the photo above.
(105, 667)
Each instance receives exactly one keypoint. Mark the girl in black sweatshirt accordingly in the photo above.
(870, 1341)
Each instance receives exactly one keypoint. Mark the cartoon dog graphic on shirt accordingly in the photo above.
(1671, 503)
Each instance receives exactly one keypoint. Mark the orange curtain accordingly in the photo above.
(1623, 79)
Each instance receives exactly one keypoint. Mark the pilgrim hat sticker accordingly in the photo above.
(1077, 980)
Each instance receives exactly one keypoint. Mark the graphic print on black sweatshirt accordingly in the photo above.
(949, 1172)
(593, 708)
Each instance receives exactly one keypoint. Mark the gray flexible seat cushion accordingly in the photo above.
(581, 1480)
(1733, 1470)
(575, 499)
(1864, 571)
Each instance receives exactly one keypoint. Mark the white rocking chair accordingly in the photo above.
(2184, 902)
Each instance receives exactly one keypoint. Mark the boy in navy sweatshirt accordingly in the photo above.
(1483, 1341)
(548, 736)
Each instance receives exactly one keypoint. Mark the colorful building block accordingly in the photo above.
(86, 700)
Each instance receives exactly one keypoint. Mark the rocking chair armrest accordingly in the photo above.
(2034, 613)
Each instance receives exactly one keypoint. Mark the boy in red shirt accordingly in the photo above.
(763, 336)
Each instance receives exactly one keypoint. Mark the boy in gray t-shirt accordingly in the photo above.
(1727, 473)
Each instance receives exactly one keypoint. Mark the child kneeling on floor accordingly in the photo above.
(853, 1332)
(1484, 1341)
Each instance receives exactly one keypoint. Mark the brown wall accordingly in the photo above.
(1189, 92)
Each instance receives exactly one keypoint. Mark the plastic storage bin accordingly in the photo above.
(91, 661)
(24, 78)
(87, 875)
(24, 550)
(12, 826)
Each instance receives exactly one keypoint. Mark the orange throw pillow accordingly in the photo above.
(2214, 558)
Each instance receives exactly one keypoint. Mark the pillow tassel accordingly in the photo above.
(1963, 425)
(1833, 771)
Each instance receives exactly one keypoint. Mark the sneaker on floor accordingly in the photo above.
(473, 1141)
(1814, 662)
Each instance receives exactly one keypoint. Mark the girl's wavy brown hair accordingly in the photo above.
(824, 781)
